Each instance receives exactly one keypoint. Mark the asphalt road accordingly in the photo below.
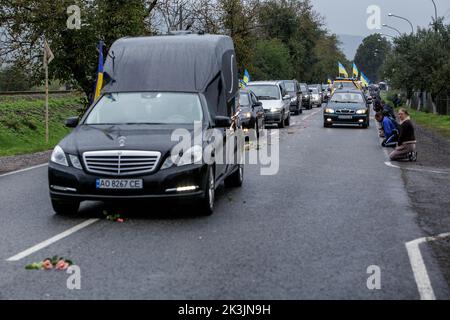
(309, 232)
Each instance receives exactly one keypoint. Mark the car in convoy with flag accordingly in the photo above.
(126, 147)
(276, 101)
(348, 107)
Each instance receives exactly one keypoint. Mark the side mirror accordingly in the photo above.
(71, 122)
(287, 97)
(310, 91)
(222, 122)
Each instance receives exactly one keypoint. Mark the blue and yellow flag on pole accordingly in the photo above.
(246, 77)
(364, 80)
(99, 82)
(342, 71)
(355, 71)
(244, 82)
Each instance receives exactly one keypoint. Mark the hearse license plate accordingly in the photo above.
(345, 117)
(124, 184)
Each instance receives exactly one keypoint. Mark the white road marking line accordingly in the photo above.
(390, 164)
(52, 240)
(418, 266)
(23, 170)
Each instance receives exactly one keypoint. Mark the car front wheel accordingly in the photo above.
(207, 203)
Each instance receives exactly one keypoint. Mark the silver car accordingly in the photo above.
(275, 100)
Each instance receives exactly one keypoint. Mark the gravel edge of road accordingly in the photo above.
(429, 193)
(13, 163)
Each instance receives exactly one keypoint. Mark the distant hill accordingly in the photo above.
(350, 44)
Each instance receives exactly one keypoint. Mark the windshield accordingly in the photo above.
(304, 89)
(347, 98)
(266, 92)
(146, 108)
(244, 100)
(346, 85)
(315, 91)
(290, 86)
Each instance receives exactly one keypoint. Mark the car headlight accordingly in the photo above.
(59, 157)
(329, 110)
(306, 96)
(75, 162)
(191, 156)
(275, 110)
(294, 99)
(361, 111)
(247, 115)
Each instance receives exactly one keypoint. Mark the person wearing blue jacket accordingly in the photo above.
(390, 130)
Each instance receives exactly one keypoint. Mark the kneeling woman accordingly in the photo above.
(406, 149)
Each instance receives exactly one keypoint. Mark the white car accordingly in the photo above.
(275, 100)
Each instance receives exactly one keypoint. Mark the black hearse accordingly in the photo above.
(123, 148)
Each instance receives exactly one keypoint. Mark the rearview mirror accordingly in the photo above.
(71, 122)
(222, 122)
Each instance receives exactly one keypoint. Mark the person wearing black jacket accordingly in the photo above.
(406, 148)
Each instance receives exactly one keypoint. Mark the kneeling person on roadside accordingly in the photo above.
(389, 129)
(406, 149)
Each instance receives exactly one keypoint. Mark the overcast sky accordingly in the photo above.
(350, 17)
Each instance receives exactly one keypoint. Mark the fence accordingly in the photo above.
(423, 101)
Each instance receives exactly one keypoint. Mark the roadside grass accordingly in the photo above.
(22, 123)
(438, 123)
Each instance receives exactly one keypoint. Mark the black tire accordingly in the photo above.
(206, 204)
(236, 179)
(281, 123)
(62, 207)
(287, 122)
(300, 110)
(326, 125)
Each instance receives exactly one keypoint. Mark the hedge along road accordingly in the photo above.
(311, 231)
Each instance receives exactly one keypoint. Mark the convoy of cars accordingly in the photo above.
(122, 148)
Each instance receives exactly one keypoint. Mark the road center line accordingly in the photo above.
(52, 240)
(418, 266)
(23, 170)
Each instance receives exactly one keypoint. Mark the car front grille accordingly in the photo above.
(345, 111)
(121, 162)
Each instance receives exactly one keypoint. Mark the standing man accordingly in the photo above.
(406, 149)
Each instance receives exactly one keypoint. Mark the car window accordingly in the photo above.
(290, 87)
(266, 92)
(146, 108)
(347, 97)
(244, 100)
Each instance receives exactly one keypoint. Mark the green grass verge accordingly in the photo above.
(438, 123)
(22, 123)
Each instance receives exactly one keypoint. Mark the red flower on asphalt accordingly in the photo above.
(120, 220)
(47, 265)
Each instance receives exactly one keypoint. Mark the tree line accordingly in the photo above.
(274, 39)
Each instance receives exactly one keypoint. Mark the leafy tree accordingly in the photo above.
(371, 55)
(13, 78)
(272, 61)
(26, 22)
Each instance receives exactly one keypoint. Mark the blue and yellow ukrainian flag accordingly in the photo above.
(364, 80)
(342, 71)
(355, 71)
(99, 82)
(246, 77)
